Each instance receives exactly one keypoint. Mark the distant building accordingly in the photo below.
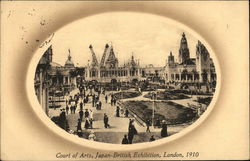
(199, 69)
(63, 78)
(51, 77)
(109, 68)
(153, 73)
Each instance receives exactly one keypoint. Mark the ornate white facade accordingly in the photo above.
(109, 69)
(199, 69)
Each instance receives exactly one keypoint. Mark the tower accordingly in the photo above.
(202, 62)
(93, 70)
(170, 68)
(94, 62)
(104, 55)
(183, 51)
(170, 59)
(112, 61)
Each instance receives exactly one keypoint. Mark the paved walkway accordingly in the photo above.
(119, 125)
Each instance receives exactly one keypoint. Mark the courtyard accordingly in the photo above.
(173, 107)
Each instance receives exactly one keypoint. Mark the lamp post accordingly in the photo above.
(153, 109)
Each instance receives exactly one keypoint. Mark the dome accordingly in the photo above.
(69, 63)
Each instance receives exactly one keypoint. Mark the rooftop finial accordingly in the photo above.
(69, 57)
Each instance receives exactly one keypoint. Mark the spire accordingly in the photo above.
(69, 63)
(104, 55)
(171, 53)
(111, 55)
(94, 59)
(111, 60)
(133, 63)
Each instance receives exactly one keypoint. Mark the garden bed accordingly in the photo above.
(126, 94)
(164, 110)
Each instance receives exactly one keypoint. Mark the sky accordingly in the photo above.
(149, 37)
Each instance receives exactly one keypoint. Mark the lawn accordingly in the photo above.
(171, 112)
(126, 94)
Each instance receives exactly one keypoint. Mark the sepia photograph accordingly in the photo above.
(124, 78)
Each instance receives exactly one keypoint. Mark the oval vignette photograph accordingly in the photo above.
(124, 78)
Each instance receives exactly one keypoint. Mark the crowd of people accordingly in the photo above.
(76, 104)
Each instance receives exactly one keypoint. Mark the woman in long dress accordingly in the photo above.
(164, 132)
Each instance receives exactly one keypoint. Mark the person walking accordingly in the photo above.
(97, 106)
(74, 109)
(86, 113)
(87, 123)
(100, 105)
(112, 101)
(126, 112)
(67, 109)
(148, 124)
(62, 118)
(81, 114)
(117, 111)
(79, 125)
(81, 105)
(164, 129)
(93, 100)
(106, 121)
(71, 109)
(125, 140)
(106, 98)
